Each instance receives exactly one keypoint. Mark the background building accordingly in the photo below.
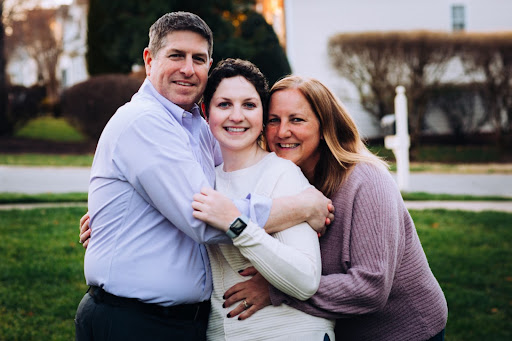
(310, 24)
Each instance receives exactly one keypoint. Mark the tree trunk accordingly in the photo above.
(6, 126)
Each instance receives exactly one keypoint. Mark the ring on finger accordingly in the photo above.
(246, 305)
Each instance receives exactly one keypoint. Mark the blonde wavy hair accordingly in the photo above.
(341, 147)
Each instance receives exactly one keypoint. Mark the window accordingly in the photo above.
(458, 18)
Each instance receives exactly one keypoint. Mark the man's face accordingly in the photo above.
(179, 71)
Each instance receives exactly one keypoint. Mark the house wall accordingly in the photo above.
(310, 24)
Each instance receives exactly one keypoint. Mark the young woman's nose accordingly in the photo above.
(236, 115)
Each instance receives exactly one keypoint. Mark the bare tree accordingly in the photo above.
(489, 56)
(376, 62)
(6, 125)
(37, 33)
(461, 105)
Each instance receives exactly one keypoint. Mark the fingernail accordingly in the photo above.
(223, 297)
(239, 319)
(223, 305)
(239, 271)
(228, 315)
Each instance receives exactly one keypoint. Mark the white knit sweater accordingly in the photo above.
(289, 260)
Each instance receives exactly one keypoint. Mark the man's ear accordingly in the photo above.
(211, 63)
(148, 58)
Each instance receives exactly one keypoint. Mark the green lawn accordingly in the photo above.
(29, 159)
(50, 128)
(20, 198)
(41, 274)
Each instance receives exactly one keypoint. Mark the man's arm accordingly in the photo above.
(310, 206)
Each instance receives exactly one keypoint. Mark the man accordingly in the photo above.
(149, 274)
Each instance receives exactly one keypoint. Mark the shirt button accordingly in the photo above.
(184, 115)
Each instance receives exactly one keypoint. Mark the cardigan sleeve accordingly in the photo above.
(374, 250)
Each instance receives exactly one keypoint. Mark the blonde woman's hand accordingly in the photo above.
(254, 292)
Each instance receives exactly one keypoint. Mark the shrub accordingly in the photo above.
(90, 104)
(24, 103)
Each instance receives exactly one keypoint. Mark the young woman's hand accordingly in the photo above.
(214, 208)
(85, 231)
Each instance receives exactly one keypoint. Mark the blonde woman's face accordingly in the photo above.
(293, 130)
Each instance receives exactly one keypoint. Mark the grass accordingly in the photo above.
(56, 160)
(46, 160)
(20, 198)
(50, 128)
(445, 153)
(422, 196)
(471, 256)
(41, 273)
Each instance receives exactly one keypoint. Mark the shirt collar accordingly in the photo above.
(175, 110)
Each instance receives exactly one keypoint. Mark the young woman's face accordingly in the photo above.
(236, 114)
(293, 130)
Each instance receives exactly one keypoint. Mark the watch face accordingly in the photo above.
(238, 226)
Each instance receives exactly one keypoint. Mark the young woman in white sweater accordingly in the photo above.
(235, 102)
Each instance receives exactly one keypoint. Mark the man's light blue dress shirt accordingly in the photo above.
(152, 157)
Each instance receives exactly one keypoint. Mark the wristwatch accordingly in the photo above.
(237, 226)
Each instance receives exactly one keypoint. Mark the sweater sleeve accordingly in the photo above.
(369, 210)
(289, 260)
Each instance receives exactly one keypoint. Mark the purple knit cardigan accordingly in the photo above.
(376, 280)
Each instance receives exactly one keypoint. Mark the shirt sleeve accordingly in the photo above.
(291, 259)
(374, 254)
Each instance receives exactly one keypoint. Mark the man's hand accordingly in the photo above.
(320, 209)
(309, 206)
(214, 208)
(85, 231)
(254, 292)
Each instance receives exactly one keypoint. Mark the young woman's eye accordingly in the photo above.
(273, 120)
(223, 105)
(250, 105)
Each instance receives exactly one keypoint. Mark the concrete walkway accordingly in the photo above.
(34, 180)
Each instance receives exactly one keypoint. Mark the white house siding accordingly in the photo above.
(21, 69)
(310, 24)
(72, 67)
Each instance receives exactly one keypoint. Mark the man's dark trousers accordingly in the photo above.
(98, 320)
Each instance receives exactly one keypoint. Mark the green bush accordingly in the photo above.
(90, 104)
(24, 103)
